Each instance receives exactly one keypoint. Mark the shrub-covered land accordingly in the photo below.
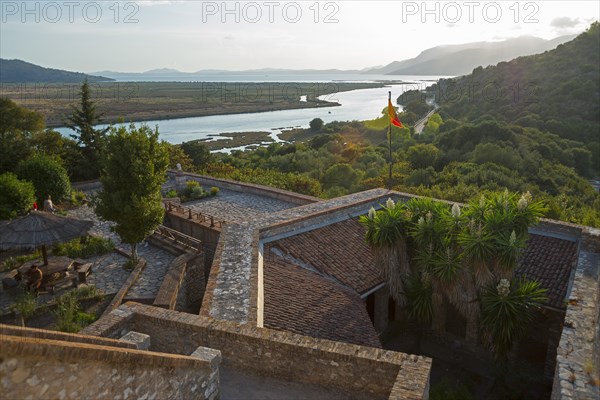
(528, 125)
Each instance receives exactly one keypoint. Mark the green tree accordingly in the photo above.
(92, 141)
(17, 125)
(178, 156)
(421, 156)
(342, 175)
(198, 152)
(48, 176)
(316, 124)
(131, 196)
(16, 196)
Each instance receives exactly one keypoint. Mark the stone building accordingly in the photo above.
(292, 302)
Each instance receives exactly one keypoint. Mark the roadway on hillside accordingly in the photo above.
(420, 125)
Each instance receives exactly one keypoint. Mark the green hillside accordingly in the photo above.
(544, 141)
(17, 71)
(557, 91)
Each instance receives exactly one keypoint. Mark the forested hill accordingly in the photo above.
(557, 91)
(18, 71)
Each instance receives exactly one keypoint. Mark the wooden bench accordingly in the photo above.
(83, 271)
(10, 280)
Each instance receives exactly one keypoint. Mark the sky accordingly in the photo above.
(136, 36)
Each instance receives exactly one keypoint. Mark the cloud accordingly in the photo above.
(564, 22)
(228, 37)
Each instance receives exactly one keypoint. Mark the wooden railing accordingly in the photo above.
(179, 237)
(209, 220)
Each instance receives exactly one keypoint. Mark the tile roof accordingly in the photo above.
(549, 261)
(308, 303)
(338, 250)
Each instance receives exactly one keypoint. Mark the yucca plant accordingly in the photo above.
(419, 293)
(506, 310)
(386, 235)
(458, 255)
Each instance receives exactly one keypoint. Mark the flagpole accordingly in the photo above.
(390, 144)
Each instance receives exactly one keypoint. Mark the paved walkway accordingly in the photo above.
(231, 206)
(110, 274)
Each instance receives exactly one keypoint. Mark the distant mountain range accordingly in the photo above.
(168, 73)
(461, 59)
(441, 60)
(449, 60)
(17, 71)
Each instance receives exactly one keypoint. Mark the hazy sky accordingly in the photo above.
(189, 35)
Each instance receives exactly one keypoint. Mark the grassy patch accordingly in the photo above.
(142, 101)
(85, 247)
(378, 123)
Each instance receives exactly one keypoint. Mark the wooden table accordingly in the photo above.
(60, 264)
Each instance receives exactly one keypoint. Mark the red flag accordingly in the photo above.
(393, 117)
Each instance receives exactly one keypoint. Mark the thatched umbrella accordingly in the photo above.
(40, 228)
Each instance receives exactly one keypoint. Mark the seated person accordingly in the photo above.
(48, 205)
(34, 278)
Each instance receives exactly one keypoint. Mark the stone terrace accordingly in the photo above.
(236, 201)
(233, 206)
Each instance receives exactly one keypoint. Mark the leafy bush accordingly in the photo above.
(67, 309)
(87, 292)
(171, 193)
(129, 265)
(48, 175)
(26, 304)
(84, 247)
(193, 191)
(214, 191)
(8, 264)
(78, 198)
(16, 196)
(28, 257)
(84, 319)
(69, 317)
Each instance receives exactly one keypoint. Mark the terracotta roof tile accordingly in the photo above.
(338, 250)
(549, 261)
(307, 303)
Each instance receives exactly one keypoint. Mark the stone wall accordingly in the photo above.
(577, 368)
(183, 286)
(33, 368)
(169, 289)
(209, 237)
(363, 372)
(190, 298)
(120, 295)
(260, 190)
(43, 334)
